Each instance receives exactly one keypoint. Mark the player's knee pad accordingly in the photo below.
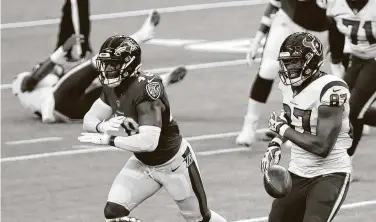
(268, 68)
(261, 89)
(114, 210)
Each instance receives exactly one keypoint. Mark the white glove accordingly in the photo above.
(337, 69)
(256, 43)
(279, 123)
(96, 138)
(271, 156)
(112, 124)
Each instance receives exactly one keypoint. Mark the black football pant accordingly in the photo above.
(316, 199)
(361, 78)
(66, 26)
(71, 99)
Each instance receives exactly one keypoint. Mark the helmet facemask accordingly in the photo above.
(114, 69)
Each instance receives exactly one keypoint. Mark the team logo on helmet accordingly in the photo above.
(154, 90)
(313, 44)
(128, 46)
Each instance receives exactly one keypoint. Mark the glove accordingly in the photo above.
(272, 155)
(256, 43)
(96, 138)
(279, 123)
(112, 124)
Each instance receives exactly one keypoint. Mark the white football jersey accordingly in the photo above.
(41, 100)
(303, 112)
(359, 27)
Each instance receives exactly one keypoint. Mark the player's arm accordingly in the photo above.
(266, 19)
(94, 118)
(336, 42)
(150, 121)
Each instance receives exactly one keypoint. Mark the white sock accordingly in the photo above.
(216, 217)
(255, 108)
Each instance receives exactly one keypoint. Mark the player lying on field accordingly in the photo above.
(162, 158)
(315, 118)
(56, 96)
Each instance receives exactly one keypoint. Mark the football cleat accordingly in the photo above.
(147, 31)
(177, 74)
(248, 133)
(366, 130)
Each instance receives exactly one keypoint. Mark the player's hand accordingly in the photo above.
(112, 124)
(71, 41)
(337, 69)
(271, 156)
(256, 43)
(96, 138)
(276, 122)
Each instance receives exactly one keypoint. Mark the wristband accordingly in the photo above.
(283, 129)
(112, 141)
(276, 141)
(96, 128)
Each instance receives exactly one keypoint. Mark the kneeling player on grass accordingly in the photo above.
(55, 96)
(316, 120)
(162, 158)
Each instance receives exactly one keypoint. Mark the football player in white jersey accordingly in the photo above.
(354, 23)
(281, 18)
(315, 118)
(57, 97)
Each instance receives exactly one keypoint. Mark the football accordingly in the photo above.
(277, 181)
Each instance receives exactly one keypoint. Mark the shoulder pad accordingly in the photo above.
(335, 93)
(152, 86)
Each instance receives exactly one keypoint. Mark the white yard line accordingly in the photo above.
(344, 207)
(37, 140)
(81, 149)
(182, 8)
(189, 67)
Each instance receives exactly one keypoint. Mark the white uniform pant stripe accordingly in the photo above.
(367, 105)
(340, 198)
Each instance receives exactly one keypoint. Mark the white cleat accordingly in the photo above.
(248, 133)
(366, 130)
(148, 28)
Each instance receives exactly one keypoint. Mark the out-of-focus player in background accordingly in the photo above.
(315, 118)
(354, 22)
(162, 158)
(75, 19)
(55, 96)
(281, 18)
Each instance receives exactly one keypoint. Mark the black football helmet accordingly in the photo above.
(118, 58)
(300, 57)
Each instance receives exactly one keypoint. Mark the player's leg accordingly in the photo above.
(183, 182)
(70, 89)
(131, 187)
(291, 207)
(326, 196)
(361, 77)
(147, 30)
(268, 71)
